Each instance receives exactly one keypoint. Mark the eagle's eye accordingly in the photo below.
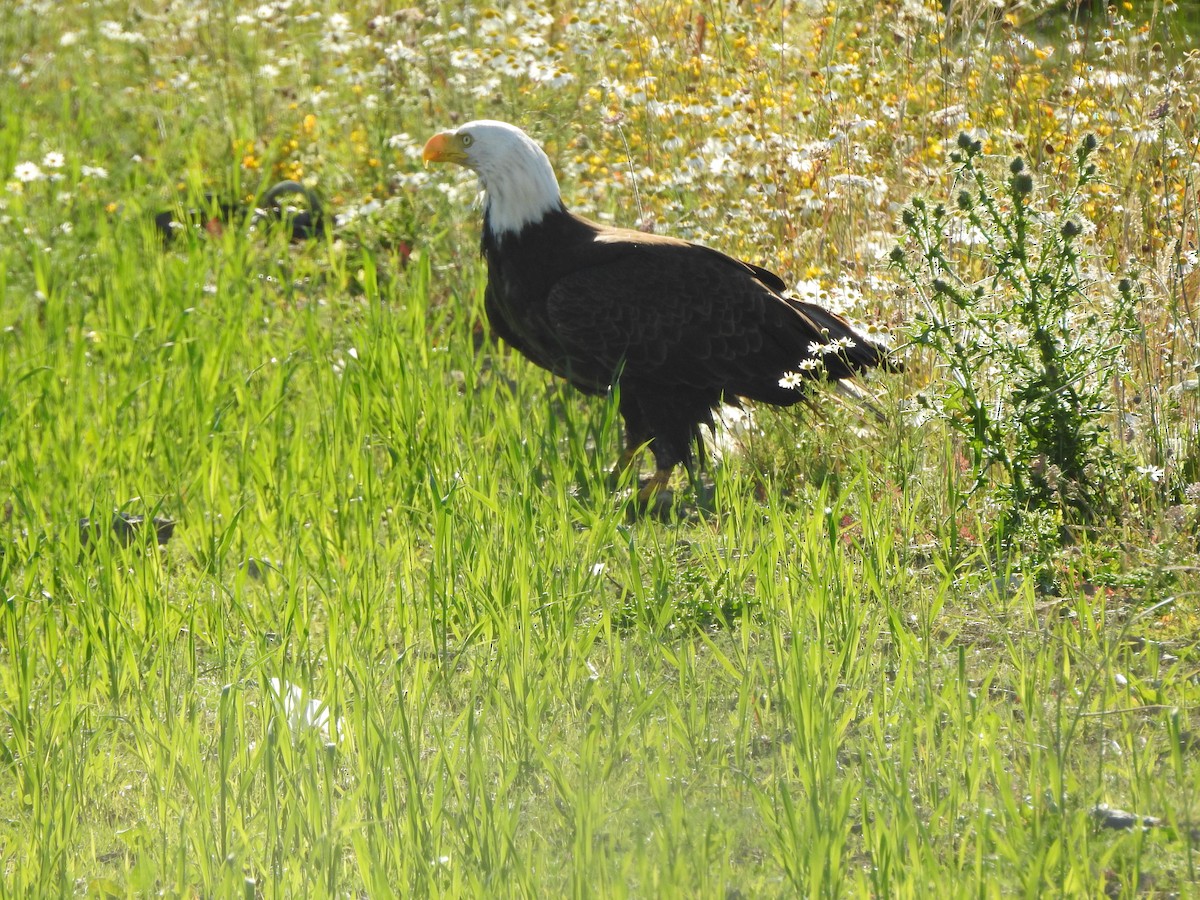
(467, 140)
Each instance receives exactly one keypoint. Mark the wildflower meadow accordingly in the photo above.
(311, 587)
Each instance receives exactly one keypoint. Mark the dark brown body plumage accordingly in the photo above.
(679, 326)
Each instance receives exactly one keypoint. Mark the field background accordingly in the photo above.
(405, 639)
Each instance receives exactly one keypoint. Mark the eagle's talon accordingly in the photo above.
(619, 472)
(656, 489)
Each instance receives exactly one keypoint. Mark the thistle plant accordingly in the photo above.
(1030, 343)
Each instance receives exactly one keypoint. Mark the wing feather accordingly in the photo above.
(681, 314)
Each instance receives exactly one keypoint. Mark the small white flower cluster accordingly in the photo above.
(114, 32)
(874, 189)
(339, 39)
(28, 172)
(804, 370)
(835, 346)
(49, 169)
(405, 143)
(350, 213)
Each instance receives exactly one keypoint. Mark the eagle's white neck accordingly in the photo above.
(519, 187)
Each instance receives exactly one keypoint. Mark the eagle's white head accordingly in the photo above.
(515, 173)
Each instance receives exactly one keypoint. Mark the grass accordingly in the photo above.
(832, 680)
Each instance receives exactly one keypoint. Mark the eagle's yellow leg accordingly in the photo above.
(625, 461)
(658, 482)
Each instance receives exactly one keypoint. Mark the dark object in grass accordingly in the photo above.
(212, 218)
(678, 327)
(216, 215)
(126, 528)
(306, 223)
(258, 567)
(1120, 820)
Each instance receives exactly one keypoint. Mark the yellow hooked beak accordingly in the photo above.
(445, 147)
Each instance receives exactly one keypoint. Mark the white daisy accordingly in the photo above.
(27, 172)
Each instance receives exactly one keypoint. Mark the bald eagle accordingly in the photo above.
(679, 327)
